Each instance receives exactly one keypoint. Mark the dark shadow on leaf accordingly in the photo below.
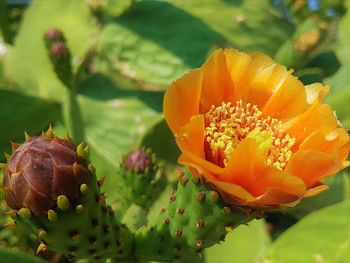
(100, 87)
(174, 29)
(234, 2)
(161, 140)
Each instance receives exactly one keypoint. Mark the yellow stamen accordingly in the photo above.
(228, 124)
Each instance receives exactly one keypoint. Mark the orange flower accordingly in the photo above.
(252, 131)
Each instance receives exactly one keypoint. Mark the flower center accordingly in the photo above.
(228, 124)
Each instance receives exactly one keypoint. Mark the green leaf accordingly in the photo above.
(112, 130)
(28, 63)
(20, 112)
(245, 244)
(323, 236)
(7, 255)
(340, 103)
(135, 45)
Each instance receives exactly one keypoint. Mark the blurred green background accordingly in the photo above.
(125, 53)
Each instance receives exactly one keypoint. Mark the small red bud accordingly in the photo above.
(138, 160)
(58, 50)
(54, 34)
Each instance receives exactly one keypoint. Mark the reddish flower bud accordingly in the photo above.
(138, 160)
(40, 170)
(58, 49)
(54, 34)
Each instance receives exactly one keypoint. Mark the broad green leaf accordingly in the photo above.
(246, 244)
(157, 41)
(323, 236)
(28, 63)
(19, 112)
(7, 255)
(112, 130)
(341, 79)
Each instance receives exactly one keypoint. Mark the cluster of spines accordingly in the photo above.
(194, 219)
(111, 239)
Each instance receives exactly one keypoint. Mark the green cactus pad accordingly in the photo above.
(88, 228)
(195, 219)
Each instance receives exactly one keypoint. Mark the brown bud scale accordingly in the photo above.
(40, 170)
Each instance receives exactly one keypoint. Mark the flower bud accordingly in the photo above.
(40, 170)
(58, 50)
(54, 35)
(139, 161)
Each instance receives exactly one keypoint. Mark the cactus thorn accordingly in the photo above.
(52, 215)
(87, 151)
(84, 189)
(25, 212)
(166, 221)
(41, 247)
(183, 180)
(42, 234)
(101, 181)
(92, 168)
(199, 243)
(180, 172)
(102, 198)
(227, 210)
(199, 253)
(214, 196)
(173, 197)
(26, 136)
(180, 210)
(7, 156)
(200, 223)
(229, 228)
(201, 196)
(14, 146)
(49, 133)
(178, 232)
(195, 179)
(67, 136)
(63, 202)
(9, 224)
(12, 213)
(76, 237)
(3, 166)
(83, 153)
(162, 210)
(79, 209)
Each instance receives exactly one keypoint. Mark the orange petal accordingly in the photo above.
(276, 197)
(217, 84)
(238, 65)
(313, 166)
(253, 173)
(288, 101)
(316, 92)
(201, 165)
(316, 190)
(181, 100)
(191, 137)
(231, 191)
(317, 117)
(265, 83)
(328, 141)
(244, 170)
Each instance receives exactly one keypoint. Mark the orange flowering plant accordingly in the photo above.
(253, 132)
